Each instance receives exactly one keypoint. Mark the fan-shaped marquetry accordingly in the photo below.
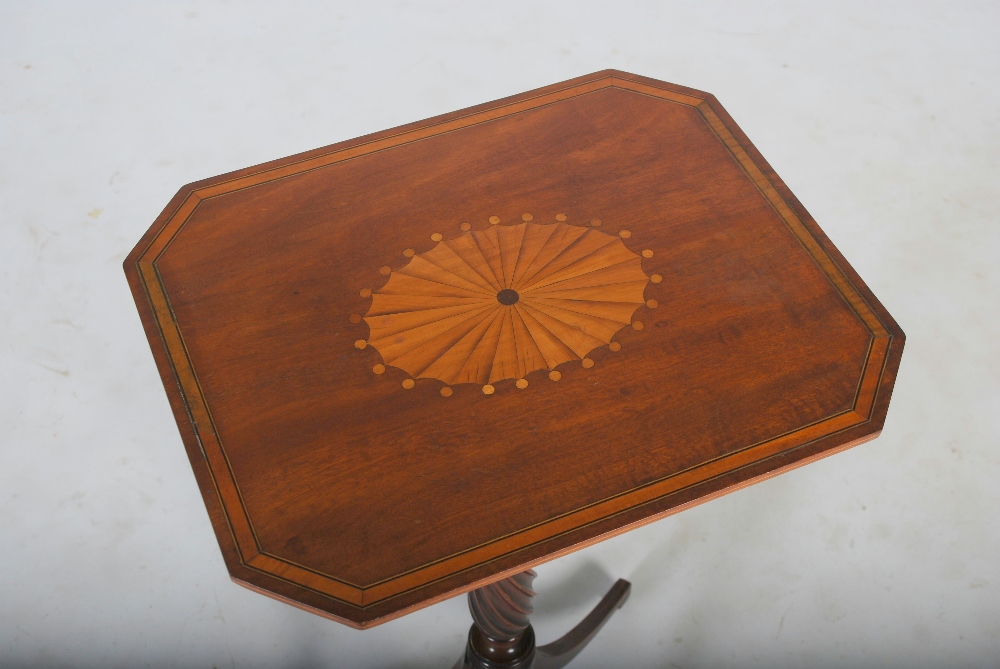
(566, 291)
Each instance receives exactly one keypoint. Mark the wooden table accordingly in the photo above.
(420, 362)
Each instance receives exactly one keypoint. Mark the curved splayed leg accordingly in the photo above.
(559, 653)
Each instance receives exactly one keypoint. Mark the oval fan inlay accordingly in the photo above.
(506, 301)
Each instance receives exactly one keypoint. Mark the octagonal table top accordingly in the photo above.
(409, 364)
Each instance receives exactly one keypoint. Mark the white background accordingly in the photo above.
(884, 119)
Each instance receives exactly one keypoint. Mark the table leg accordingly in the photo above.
(502, 638)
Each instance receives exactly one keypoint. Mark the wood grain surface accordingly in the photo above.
(345, 478)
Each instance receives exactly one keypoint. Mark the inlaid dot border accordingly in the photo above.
(587, 363)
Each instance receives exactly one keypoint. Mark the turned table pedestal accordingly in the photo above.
(501, 635)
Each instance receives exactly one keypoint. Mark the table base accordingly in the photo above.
(502, 638)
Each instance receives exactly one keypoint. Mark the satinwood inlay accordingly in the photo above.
(506, 301)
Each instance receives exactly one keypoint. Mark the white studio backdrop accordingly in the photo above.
(882, 118)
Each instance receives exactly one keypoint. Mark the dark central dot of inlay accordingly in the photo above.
(508, 296)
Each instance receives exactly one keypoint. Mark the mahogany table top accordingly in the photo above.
(409, 364)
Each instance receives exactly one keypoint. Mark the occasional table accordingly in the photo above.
(422, 362)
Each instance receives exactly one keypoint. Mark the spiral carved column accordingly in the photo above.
(502, 635)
